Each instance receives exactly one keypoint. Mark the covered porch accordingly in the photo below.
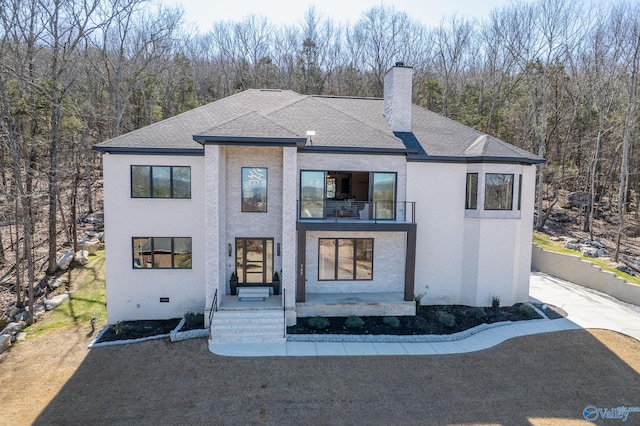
(361, 304)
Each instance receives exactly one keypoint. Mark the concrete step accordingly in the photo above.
(242, 326)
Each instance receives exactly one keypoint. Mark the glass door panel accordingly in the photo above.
(254, 261)
(312, 191)
(383, 195)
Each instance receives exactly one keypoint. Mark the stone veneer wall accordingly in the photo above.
(585, 273)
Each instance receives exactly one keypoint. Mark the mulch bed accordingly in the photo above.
(129, 330)
(425, 322)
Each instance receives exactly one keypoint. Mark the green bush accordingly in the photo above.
(193, 321)
(318, 322)
(495, 304)
(392, 322)
(476, 313)
(526, 311)
(446, 319)
(353, 322)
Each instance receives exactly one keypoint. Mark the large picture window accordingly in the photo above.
(162, 252)
(498, 193)
(160, 182)
(471, 197)
(345, 259)
(254, 189)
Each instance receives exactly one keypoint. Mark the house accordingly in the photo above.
(359, 204)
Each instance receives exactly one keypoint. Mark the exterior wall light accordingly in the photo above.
(230, 249)
(278, 249)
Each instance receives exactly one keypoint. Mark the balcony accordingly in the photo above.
(334, 211)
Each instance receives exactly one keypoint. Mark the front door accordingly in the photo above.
(254, 260)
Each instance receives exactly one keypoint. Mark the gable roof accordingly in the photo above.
(343, 124)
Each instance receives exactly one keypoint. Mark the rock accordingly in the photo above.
(23, 316)
(554, 238)
(38, 311)
(65, 261)
(4, 320)
(602, 252)
(100, 237)
(14, 328)
(12, 311)
(81, 257)
(91, 246)
(626, 269)
(578, 199)
(5, 342)
(589, 251)
(21, 337)
(55, 301)
(91, 233)
(572, 244)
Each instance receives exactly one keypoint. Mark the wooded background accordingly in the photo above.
(555, 77)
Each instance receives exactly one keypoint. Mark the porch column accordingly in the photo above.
(289, 218)
(410, 263)
(214, 178)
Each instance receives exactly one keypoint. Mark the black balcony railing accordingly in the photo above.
(350, 210)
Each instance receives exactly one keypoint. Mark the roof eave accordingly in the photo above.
(248, 141)
(475, 159)
(355, 150)
(148, 151)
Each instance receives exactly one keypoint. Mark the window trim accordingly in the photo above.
(171, 182)
(467, 201)
(335, 254)
(510, 208)
(133, 257)
(266, 194)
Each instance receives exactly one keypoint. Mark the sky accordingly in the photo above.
(204, 13)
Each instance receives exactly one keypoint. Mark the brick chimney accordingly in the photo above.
(397, 97)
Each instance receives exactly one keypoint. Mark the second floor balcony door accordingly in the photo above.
(254, 260)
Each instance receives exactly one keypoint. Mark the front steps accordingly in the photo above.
(247, 326)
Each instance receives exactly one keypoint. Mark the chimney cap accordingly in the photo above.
(399, 64)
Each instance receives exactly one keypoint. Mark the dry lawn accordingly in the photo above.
(543, 379)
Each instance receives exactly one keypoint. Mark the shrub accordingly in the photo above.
(392, 322)
(526, 311)
(495, 304)
(318, 322)
(446, 319)
(353, 322)
(193, 321)
(476, 313)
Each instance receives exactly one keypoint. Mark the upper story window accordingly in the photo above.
(471, 197)
(160, 182)
(498, 192)
(162, 252)
(254, 189)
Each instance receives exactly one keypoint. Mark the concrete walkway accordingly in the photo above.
(586, 308)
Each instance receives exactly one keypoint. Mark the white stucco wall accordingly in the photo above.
(464, 258)
(134, 294)
(389, 249)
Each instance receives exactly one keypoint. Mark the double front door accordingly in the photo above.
(254, 260)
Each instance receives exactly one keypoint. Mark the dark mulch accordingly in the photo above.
(128, 330)
(425, 322)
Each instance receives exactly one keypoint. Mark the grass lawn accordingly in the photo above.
(87, 299)
(545, 242)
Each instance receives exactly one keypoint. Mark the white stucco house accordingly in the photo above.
(359, 204)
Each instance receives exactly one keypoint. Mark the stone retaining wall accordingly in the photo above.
(582, 272)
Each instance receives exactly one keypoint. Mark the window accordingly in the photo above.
(254, 189)
(471, 198)
(345, 259)
(498, 193)
(160, 182)
(162, 252)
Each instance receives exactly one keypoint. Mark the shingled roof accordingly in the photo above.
(340, 123)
